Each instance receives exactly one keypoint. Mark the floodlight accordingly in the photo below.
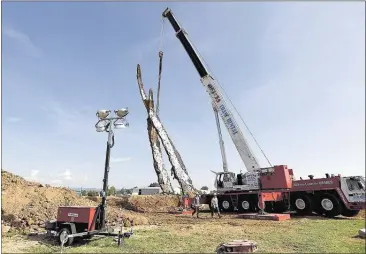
(121, 112)
(100, 126)
(102, 114)
(120, 124)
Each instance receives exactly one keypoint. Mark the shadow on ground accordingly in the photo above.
(51, 242)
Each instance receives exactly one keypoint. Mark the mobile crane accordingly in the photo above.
(268, 187)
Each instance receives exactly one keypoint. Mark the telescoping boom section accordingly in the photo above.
(212, 89)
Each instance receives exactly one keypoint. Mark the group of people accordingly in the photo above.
(214, 206)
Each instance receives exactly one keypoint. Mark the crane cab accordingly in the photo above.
(225, 180)
(354, 188)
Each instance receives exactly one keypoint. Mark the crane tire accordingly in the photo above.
(246, 204)
(225, 204)
(330, 205)
(303, 205)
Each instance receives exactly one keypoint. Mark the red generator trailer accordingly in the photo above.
(80, 222)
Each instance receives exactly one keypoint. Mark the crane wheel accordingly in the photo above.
(225, 204)
(330, 205)
(303, 205)
(246, 204)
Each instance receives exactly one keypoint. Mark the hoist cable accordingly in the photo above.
(246, 126)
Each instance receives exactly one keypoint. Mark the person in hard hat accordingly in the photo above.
(196, 204)
(215, 206)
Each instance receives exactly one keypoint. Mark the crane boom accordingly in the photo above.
(218, 101)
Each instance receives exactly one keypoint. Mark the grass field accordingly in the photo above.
(184, 234)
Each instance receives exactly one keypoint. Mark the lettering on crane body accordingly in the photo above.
(223, 111)
(312, 183)
(213, 93)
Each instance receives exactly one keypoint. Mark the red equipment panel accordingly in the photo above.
(76, 214)
(280, 178)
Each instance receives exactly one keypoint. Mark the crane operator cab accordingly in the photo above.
(229, 181)
(225, 180)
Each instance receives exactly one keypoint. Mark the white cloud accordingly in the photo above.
(66, 175)
(34, 176)
(120, 160)
(34, 172)
(23, 40)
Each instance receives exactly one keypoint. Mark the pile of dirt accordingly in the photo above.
(27, 205)
(152, 203)
(144, 203)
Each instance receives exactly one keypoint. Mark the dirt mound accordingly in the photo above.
(27, 205)
(144, 203)
(153, 203)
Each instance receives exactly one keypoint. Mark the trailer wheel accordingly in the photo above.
(350, 213)
(303, 205)
(63, 234)
(330, 205)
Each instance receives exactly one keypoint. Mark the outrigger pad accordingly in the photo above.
(268, 216)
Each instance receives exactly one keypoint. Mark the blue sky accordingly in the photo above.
(295, 72)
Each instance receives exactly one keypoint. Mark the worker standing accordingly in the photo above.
(196, 204)
(215, 206)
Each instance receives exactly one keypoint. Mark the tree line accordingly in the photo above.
(112, 191)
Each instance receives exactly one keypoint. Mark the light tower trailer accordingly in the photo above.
(272, 188)
(81, 222)
(85, 222)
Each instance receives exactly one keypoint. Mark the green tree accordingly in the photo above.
(124, 191)
(111, 191)
(154, 185)
(92, 193)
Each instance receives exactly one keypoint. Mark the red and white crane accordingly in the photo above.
(272, 186)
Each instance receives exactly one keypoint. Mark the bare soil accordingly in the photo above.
(27, 205)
